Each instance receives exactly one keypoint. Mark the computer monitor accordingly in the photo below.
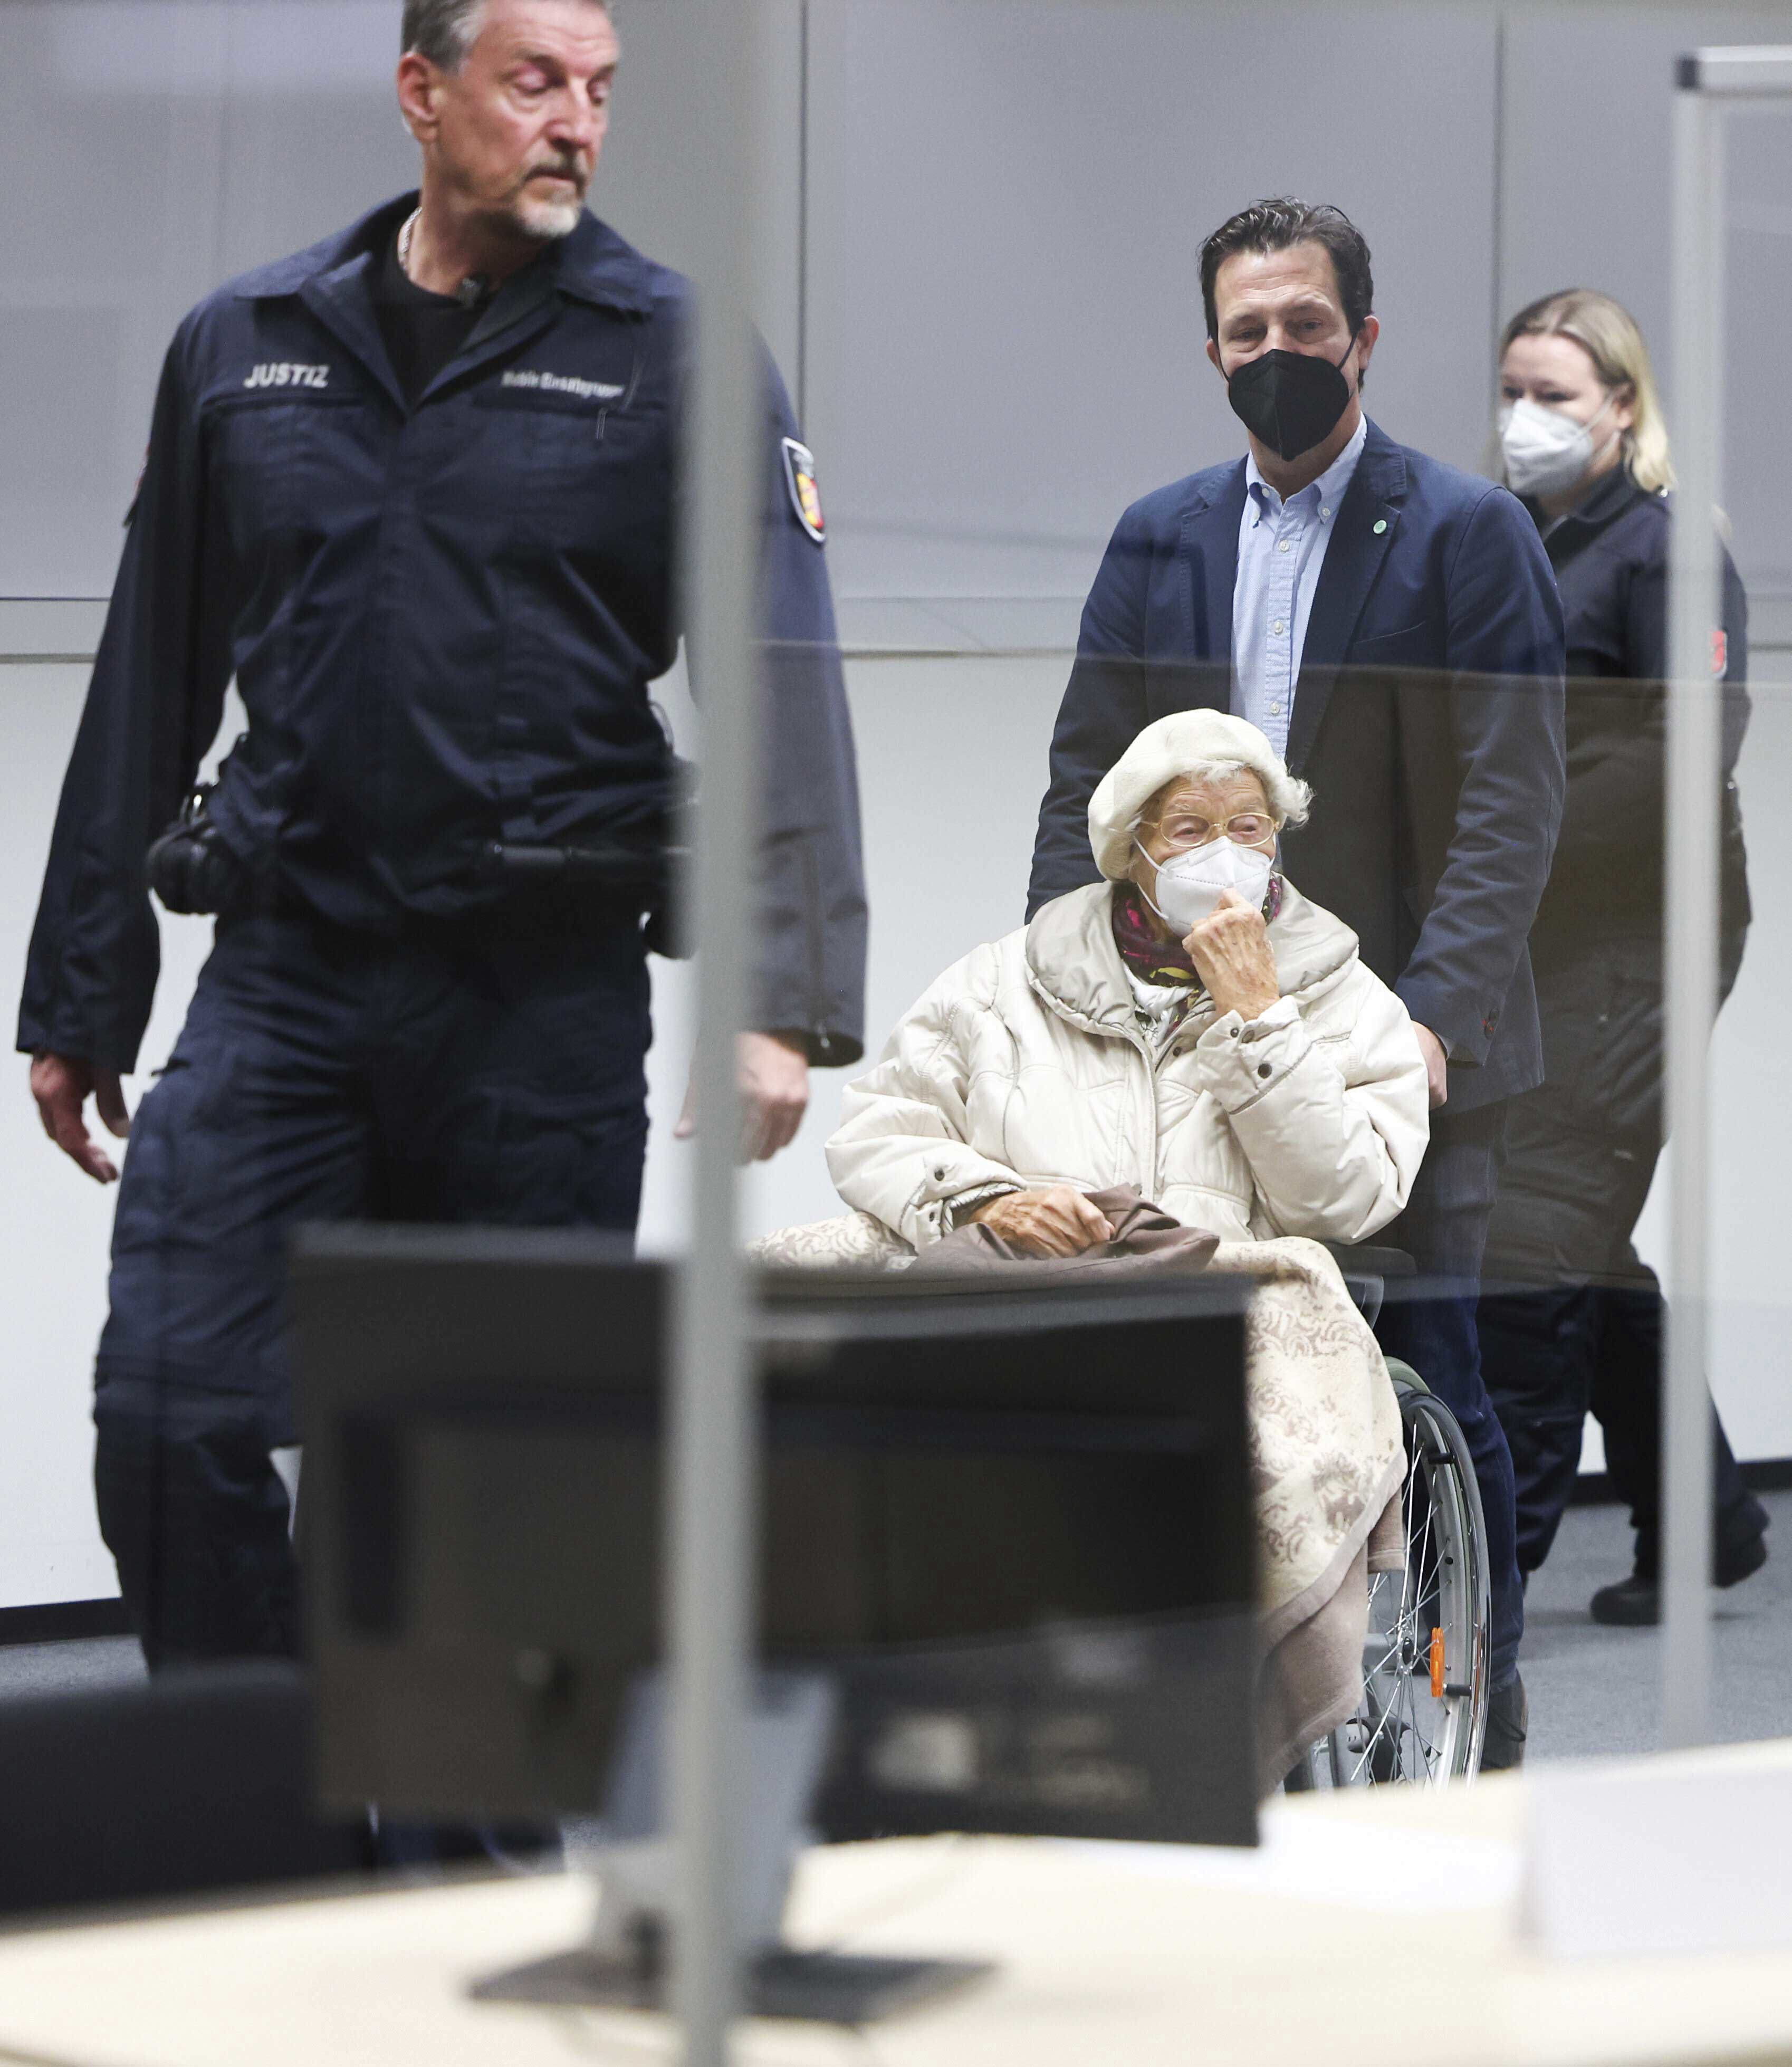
(1012, 1523)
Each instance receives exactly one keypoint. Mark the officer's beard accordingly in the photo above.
(544, 219)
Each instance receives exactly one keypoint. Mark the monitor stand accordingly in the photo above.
(625, 1963)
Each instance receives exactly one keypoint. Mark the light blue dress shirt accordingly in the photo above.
(1281, 549)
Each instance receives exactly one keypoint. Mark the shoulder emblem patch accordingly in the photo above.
(799, 477)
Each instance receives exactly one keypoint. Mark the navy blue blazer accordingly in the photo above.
(1428, 718)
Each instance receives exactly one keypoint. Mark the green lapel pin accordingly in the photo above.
(1380, 526)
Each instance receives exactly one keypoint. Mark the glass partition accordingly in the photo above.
(1228, 844)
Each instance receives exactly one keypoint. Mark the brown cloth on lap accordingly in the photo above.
(1147, 1242)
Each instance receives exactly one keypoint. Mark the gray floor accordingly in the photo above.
(1592, 1690)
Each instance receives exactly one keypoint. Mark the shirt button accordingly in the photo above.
(1262, 1069)
(1275, 710)
(1281, 545)
(1325, 512)
(1278, 627)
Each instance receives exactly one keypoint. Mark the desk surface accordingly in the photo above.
(1369, 1928)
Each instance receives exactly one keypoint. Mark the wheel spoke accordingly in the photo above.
(1400, 1730)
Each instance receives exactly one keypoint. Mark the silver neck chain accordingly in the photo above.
(404, 237)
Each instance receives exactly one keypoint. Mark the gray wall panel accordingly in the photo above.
(1585, 204)
(1006, 204)
(150, 149)
(109, 202)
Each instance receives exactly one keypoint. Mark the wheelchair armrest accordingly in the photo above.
(1363, 1259)
(1366, 1271)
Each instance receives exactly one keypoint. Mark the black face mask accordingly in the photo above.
(1290, 401)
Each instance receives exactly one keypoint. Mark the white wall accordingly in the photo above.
(979, 273)
(54, 1222)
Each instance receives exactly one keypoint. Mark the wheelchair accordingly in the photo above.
(1423, 1713)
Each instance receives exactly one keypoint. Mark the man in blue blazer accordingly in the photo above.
(1393, 625)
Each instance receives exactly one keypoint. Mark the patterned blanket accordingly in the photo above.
(1326, 1463)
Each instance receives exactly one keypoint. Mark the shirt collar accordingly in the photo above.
(1326, 493)
(594, 263)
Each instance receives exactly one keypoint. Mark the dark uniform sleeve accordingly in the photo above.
(812, 915)
(1738, 707)
(153, 707)
(1617, 776)
(1646, 644)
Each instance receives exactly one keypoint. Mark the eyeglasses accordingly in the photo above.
(1184, 832)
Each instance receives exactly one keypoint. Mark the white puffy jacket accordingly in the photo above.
(1025, 1063)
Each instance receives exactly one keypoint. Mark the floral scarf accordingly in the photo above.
(1163, 962)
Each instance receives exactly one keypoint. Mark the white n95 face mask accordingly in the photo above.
(1546, 453)
(1189, 884)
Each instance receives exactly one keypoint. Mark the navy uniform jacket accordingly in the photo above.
(1610, 555)
(1427, 717)
(443, 623)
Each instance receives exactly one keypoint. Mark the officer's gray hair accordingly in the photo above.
(441, 31)
(445, 30)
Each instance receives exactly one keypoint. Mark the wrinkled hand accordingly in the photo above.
(62, 1085)
(772, 1072)
(1234, 958)
(1437, 1074)
(1058, 1222)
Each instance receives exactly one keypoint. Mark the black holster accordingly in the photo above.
(191, 869)
(643, 868)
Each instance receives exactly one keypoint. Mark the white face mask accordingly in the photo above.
(1545, 451)
(1189, 884)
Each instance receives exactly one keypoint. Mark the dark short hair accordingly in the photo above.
(1272, 226)
(445, 30)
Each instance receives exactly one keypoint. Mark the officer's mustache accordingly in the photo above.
(564, 168)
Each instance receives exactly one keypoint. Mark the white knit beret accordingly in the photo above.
(1174, 745)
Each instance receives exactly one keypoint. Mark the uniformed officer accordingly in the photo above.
(415, 489)
(1579, 1326)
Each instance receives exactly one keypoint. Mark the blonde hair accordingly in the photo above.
(1606, 331)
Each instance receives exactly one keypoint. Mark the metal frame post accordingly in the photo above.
(712, 1455)
(1691, 943)
(1706, 82)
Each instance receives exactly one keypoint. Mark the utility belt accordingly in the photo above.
(577, 883)
(193, 870)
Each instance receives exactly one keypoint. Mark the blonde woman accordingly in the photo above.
(1581, 442)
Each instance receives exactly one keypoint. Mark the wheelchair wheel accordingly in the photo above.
(1424, 1709)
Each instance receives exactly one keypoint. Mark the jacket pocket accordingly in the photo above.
(586, 481)
(278, 458)
(1383, 645)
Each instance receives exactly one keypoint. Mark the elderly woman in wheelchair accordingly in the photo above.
(1190, 1044)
